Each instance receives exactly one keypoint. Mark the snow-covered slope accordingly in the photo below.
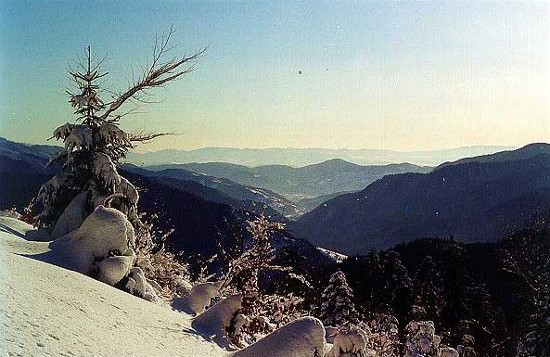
(46, 310)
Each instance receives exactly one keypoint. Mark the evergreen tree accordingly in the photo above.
(95, 143)
(93, 146)
(527, 254)
(337, 308)
(428, 288)
(397, 290)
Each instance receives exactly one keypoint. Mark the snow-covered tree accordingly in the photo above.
(421, 340)
(94, 143)
(337, 307)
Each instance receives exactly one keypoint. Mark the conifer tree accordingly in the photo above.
(527, 255)
(398, 285)
(337, 307)
(428, 289)
(94, 143)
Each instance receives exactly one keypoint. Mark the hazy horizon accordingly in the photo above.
(142, 148)
(394, 76)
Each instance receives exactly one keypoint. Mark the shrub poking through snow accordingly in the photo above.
(88, 178)
(258, 311)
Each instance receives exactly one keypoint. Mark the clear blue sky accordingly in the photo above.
(392, 75)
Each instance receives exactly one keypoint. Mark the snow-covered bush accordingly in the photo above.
(422, 341)
(216, 320)
(139, 285)
(198, 299)
(349, 342)
(261, 310)
(384, 337)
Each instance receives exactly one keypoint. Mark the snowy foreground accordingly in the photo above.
(46, 310)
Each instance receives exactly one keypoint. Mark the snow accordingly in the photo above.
(79, 138)
(138, 285)
(337, 257)
(215, 321)
(105, 169)
(104, 232)
(304, 337)
(46, 310)
(353, 341)
(48, 191)
(129, 191)
(111, 270)
(72, 217)
(198, 299)
(113, 134)
(63, 131)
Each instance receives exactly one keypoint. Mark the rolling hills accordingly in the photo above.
(326, 178)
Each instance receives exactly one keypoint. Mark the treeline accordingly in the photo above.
(492, 297)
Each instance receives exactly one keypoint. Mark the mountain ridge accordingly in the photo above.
(299, 157)
(470, 201)
(321, 179)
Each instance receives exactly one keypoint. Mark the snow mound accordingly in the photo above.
(304, 337)
(72, 217)
(140, 286)
(198, 299)
(95, 247)
(46, 310)
(353, 342)
(215, 321)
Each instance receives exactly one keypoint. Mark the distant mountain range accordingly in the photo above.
(472, 200)
(223, 190)
(304, 157)
(22, 172)
(355, 208)
(202, 217)
(324, 179)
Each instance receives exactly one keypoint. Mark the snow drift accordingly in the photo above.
(304, 337)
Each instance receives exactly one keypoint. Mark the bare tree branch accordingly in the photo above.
(157, 75)
(144, 137)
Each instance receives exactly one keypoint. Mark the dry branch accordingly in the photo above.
(157, 75)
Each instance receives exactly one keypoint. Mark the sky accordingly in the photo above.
(334, 74)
